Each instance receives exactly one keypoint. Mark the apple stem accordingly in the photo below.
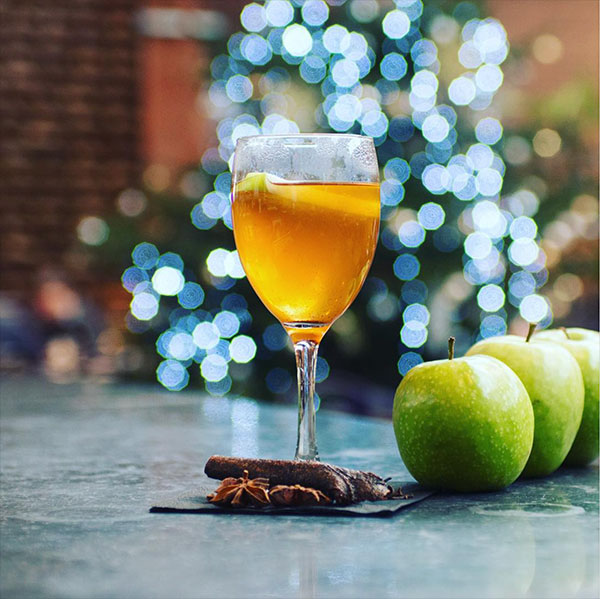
(532, 326)
(451, 348)
(564, 330)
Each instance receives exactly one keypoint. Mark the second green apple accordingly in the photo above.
(554, 383)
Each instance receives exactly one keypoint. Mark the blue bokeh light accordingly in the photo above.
(462, 90)
(168, 280)
(408, 361)
(297, 40)
(333, 38)
(407, 267)
(253, 17)
(493, 326)
(414, 292)
(206, 335)
(435, 128)
(145, 255)
(431, 216)
(322, 369)
(219, 388)
(491, 298)
(172, 375)
(239, 88)
(214, 368)
(279, 12)
(397, 168)
(396, 24)
(411, 234)
(315, 12)
(393, 66)
(144, 306)
(228, 323)
(181, 346)
(256, 49)
(488, 130)
(191, 296)
(313, 69)
(392, 192)
(523, 227)
(345, 73)
(413, 334)
(132, 277)
(170, 259)
(417, 313)
(242, 349)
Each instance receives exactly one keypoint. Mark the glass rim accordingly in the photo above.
(300, 135)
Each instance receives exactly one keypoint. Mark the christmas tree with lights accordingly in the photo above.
(459, 249)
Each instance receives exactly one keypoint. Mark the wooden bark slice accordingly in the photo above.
(342, 485)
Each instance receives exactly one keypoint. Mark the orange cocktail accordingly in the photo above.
(306, 247)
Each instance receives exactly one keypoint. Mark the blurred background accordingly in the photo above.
(118, 121)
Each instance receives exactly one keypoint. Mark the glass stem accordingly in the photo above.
(306, 364)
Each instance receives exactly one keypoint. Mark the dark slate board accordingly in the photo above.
(196, 503)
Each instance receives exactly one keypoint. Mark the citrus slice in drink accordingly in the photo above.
(311, 194)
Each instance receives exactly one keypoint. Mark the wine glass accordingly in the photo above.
(305, 212)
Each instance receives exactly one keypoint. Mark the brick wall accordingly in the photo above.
(68, 127)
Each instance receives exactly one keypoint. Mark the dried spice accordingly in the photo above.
(342, 485)
(242, 492)
(294, 483)
(297, 495)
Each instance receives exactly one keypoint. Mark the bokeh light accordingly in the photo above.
(546, 143)
(488, 130)
(547, 48)
(386, 73)
(144, 306)
(279, 12)
(407, 361)
(167, 280)
(92, 230)
(315, 12)
(534, 308)
(396, 24)
(491, 298)
(172, 375)
(242, 349)
(191, 296)
(297, 40)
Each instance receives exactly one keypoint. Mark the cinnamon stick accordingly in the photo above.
(343, 485)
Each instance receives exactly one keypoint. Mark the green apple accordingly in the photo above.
(553, 380)
(463, 424)
(584, 346)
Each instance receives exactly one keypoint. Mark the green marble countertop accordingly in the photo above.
(81, 465)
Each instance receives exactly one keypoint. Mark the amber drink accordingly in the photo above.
(306, 247)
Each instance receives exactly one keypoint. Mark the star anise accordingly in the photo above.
(240, 492)
(297, 495)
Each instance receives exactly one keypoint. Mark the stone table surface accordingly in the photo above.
(81, 465)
